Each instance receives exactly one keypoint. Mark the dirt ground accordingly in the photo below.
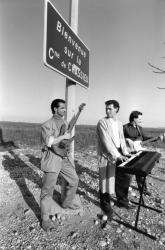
(20, 184)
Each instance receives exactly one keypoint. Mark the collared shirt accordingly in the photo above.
(52, 129)
(59, 121)
(134, 133)
(105, 137)
(115, 129)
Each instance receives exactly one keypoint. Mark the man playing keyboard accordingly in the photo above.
(112, 151)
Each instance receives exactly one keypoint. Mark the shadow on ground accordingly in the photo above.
(19, 172)
(82, 185)
(6, 145)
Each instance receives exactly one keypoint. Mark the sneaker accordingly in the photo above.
(125, 204)
(112, 197)
(73, 206)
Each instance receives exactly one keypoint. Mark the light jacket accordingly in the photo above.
(106, 143)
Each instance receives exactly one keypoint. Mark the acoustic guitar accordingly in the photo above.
(62, 148)
(135, 146)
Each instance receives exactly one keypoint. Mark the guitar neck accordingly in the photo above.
(73, 121)
(150, 140)
(74, 118)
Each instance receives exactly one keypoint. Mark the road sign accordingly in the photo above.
(64, 52)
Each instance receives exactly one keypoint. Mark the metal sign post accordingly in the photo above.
(70, 85)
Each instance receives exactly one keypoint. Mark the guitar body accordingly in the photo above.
(135, 146)
(61, 148)
(59, 151)
(65, 144)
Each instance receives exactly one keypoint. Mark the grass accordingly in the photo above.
(28, 134)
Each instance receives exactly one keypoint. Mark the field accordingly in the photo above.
(28, 134)
(21, 182)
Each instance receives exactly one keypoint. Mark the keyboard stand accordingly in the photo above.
(141, 203)
(132, 167)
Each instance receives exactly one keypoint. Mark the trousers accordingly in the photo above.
(122, 184)
(106, 176)
(69, 174)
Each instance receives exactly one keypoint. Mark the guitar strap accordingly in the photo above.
(139, 131)
(61, 130)
(56, 127)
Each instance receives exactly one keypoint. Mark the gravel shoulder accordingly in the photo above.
(20, 184)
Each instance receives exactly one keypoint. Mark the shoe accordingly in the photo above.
(125, 204)
(106, 207)
(109, 213)
(76, 204)
(112, 197)
(47, 225)
(112, 200)
(73, 206)
(105, 204)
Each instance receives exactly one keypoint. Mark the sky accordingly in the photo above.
(122, 35)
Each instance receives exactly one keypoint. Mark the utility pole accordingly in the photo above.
(70, 93)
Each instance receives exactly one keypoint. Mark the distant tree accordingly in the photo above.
(157, 70)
